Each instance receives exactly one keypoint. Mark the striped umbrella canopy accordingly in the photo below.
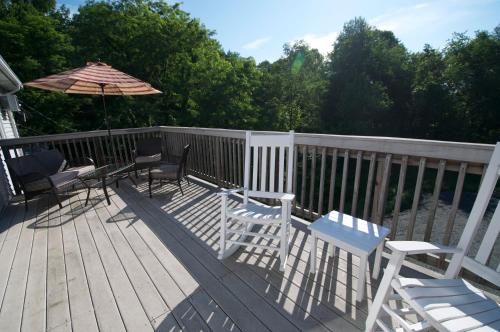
(95, 78)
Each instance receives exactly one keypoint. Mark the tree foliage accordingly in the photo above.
(369, 84)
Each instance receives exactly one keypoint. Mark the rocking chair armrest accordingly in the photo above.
(284, 197)
(228, 192)
(288, 198)
(420, 247)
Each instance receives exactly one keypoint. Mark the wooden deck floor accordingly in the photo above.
(150, 264)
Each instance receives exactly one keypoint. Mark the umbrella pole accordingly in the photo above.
(105, 111)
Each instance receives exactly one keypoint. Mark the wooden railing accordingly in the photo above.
(375, 178)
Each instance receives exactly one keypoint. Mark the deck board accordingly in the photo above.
(13, 301)
(34, 310)
(151, 264)
(58, 310)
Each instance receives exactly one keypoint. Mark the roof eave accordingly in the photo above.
(10, 76)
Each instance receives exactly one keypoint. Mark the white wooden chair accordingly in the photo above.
(265, 158)
(447, 304)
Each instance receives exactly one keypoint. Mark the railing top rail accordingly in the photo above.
(460, 151)
(83, 134)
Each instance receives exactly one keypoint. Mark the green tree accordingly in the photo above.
(431, 115)
(34, 45)
(369, 83)
(473, 76)
(291, 92)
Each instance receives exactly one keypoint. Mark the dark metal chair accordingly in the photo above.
(45, 172)
(170, 171)
(147, 154)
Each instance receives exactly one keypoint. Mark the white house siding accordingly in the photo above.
(9, 85)
(8, 129)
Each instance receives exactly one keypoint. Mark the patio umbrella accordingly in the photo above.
(95, 78)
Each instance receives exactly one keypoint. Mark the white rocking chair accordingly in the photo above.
(447, 304)
(265, 158)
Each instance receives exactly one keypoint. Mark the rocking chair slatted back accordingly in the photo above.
(479, 263)
(266, 155)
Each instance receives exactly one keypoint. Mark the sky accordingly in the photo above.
(260, 28)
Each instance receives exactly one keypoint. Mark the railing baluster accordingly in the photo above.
(399, 197)
(416, 199)
(82, 149)
(70, 153)
(312, 182)
(383, 189)
(357, 175)
(456, 201)
(236, 180)
(369, 185)
(103, 154)
(322, 181)
(230, 161)
(206, 160)
(304, 173)
(435, 200)
(74, 144)
(211, 146)
(294, 181)
(89, 150)
(193, 160)
(125, 149)
(344, 181)
(227, 161)
(239, 163)
(333, 173)
(131, 147)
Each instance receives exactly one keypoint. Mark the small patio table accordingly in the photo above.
(354, 235)
(104, 176)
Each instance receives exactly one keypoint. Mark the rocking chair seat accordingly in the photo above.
(454, 304)
(258, 214)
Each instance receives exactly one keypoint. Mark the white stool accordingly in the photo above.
(357, 236)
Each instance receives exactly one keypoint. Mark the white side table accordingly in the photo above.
(357, 236)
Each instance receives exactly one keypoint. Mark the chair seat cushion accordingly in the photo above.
(60, 179)
(255, 213)
(80, 170)
(453, 303)
(148, 159)
(165, 171)
(68, 176)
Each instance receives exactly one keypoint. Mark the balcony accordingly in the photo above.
(151, 264)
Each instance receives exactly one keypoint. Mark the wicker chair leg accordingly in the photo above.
(180, 187)
(54, 192)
